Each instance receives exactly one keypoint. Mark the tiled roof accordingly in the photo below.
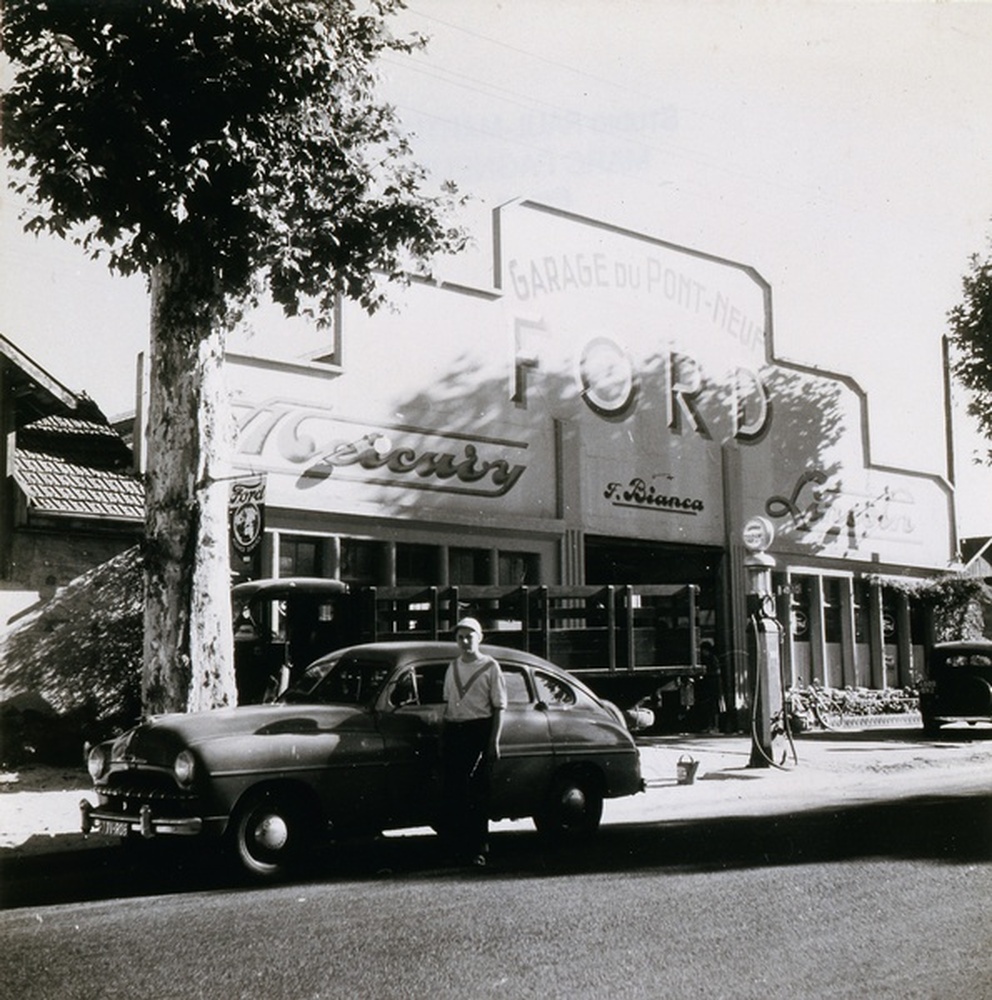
(76, 467)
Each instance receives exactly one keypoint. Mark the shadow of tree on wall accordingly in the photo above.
(795, 447)
(808, 420)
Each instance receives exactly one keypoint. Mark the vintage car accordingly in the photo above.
(958, 684)
(353, 749)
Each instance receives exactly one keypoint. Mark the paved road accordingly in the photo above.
(885, 899)
(862, 870)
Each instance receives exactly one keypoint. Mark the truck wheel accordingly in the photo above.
(270, 835)
(572, 809)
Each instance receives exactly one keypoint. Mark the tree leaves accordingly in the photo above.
(248, 130)
(971, 335)
(213, 145)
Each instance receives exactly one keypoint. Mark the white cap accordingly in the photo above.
(472, 624)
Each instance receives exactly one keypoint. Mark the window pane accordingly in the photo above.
(469, 566)
(517, 692)
(299, 556)
(519, 569)
(862, 610)
(553, 691)
(831, 609)
(800, 608)
(430, 683)
(359, 561)
(416, 565)
(917, 621)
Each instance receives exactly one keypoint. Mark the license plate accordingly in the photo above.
(114, 828)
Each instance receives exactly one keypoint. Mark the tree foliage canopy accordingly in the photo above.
(971, 334)
(247, 131)
(218, 147)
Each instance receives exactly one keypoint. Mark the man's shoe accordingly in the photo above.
(479, 861)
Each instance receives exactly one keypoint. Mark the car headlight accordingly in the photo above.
(97, 761)
(184, 767)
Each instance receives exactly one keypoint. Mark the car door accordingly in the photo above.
(522, 774)
(579, 728)
(409, 720)
(343, 753)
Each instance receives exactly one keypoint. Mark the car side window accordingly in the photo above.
(430, 682)
(965, 660)
(419, 685)
(517, 690)
(351, 681)
(553, 691)
(404, 690)
(424, 685)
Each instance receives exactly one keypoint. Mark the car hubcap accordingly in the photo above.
(573, 803)
(272, 833)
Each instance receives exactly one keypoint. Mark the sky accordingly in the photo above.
(843, 150)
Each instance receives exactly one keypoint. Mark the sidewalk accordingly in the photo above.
(817, 771)
(39, 807)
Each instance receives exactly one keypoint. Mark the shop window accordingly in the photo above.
(416, 565)
(469, 566)
(831, 609)
(862, 611)
(800, 608)
(918, 621)
(890, 616)
(299, 556)
(519, 569)
(360, 559)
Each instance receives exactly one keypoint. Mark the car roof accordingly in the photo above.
(418, 649)
(414, 651)
(964, 646)
(284, 586)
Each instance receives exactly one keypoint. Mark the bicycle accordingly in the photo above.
(815, 706)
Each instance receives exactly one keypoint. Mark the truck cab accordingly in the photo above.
(283, 625)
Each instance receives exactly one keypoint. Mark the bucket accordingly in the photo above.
(685, 769)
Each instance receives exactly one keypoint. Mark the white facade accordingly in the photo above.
(608, 392)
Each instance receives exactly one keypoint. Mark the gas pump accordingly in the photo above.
(764, 642)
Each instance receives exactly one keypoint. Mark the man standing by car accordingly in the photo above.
(475, 698)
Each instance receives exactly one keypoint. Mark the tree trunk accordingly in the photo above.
(189, 649)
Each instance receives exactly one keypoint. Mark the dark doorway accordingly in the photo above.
(624, 560)
(628, 561)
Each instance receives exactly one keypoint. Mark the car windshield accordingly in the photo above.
(346, 680)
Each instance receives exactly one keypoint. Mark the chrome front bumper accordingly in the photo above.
(98, 820)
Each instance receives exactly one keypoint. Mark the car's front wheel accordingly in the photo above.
(572, 808)
(269, 834)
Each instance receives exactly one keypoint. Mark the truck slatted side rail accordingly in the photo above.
(606, 630)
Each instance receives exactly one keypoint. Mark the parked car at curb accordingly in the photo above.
(352, 749)
(958, 685)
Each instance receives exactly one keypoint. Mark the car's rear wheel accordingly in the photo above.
(572, 808)
(270, 834)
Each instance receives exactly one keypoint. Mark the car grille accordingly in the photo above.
(132, 789)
